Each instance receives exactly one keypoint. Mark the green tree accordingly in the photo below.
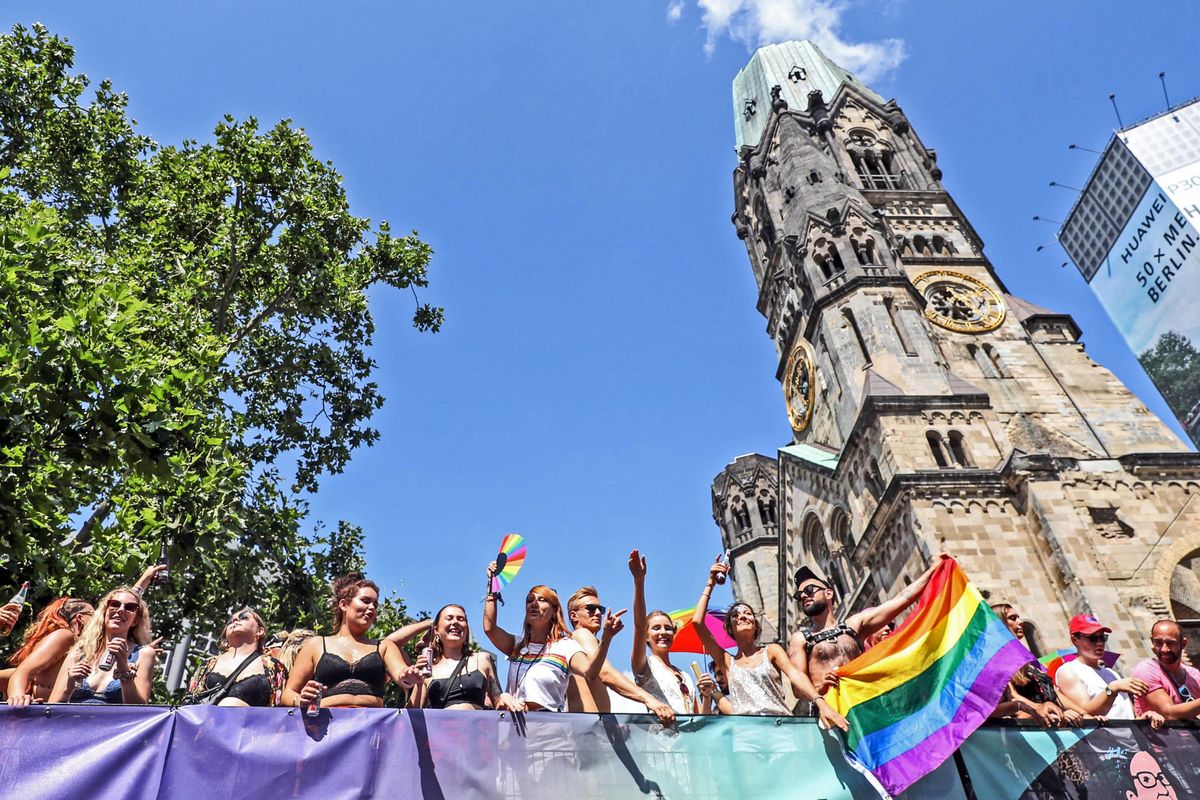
(184, 347)
(1173, 363)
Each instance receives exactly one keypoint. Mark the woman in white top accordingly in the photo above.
(540, 661)
(655, 673)
(756, 673)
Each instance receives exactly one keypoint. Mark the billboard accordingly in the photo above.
(205, 752)
(1134, 233)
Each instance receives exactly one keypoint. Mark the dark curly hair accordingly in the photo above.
(345, 587)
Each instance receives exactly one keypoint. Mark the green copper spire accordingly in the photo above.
(797, 68)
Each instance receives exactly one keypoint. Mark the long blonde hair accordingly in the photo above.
(558, 625)
(93, 640)
(292, 642)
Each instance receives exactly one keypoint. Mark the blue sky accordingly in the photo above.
(570, 163)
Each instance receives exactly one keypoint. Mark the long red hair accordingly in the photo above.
(55, 617)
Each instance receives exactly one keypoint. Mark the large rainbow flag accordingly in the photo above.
(915, 697)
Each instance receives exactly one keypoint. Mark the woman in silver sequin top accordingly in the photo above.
(756, 673)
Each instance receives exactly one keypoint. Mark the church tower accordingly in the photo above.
(931, 409)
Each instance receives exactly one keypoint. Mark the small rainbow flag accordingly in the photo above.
(912, 699)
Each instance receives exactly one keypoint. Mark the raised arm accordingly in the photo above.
(147, 579)
(409, 632)
(871, 620)
(714, 650)
(637, 568)
(505, 642)
(803, 688)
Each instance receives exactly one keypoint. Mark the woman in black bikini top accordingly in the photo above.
(347, 669)
(461, 681)
(260, 682)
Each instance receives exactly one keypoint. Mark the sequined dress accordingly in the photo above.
(757, 689)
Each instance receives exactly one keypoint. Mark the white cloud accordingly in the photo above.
(759, 22)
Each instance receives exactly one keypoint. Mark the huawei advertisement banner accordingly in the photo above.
(1150, 286)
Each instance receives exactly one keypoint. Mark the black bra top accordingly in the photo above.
(253, 691)
(829, 635)
(467, 687)
(365, 676)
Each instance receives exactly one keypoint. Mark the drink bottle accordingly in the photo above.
(18, 599)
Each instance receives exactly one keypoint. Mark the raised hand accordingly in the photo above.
(492, 569)
(716, 569)
(706, 685)
(665, 714)
(637, 566)
(613, 624)
(9, 613)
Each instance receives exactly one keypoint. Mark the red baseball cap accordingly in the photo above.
(1085, 624)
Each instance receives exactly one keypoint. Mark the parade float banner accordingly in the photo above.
(205, 753)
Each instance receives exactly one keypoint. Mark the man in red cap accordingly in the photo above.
(1091, 684)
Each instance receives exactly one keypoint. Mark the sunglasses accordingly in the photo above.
(809, 591)
(132, 608)
(1094, 638)
(592, 608)
(242, 617)
(1185, 693)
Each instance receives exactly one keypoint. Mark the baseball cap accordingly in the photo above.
(806, 574)
(1086, 623)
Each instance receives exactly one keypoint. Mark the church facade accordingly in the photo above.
(931, 409)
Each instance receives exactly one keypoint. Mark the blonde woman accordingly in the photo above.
(540, 661)
(259, 683)
(121, 620)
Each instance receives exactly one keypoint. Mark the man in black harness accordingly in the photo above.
(828, 644)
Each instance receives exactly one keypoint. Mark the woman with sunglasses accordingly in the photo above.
(540, 661)
(44, 648)
(460, 680)
(122, 618)
(656, 632)
(259, 683)
(349, 670)
(755, 674)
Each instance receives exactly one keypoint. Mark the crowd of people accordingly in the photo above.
(559, 660)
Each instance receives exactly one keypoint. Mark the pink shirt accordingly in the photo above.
(1151, 673)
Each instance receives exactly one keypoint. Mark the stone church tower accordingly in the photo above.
(931, 409)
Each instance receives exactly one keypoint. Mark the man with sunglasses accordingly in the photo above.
(826, 644)
(1091, 684)
(586, 616)
(1172, 687)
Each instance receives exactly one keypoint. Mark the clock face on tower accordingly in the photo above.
(958, 302)
(798, 385)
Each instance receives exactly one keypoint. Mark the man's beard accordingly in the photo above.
(815, 608)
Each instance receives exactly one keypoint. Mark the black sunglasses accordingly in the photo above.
(592, 608)
(1094, 638)
(810, 590)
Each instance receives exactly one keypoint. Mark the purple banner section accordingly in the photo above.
(206, 753)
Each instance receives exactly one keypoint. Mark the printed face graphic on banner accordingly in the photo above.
(1149, 781)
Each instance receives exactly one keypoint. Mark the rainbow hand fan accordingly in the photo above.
(509, 561)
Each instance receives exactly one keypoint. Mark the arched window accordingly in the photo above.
(766, 507)
(938, 448)
(827, 258)
(921, 245)
(958, 449)
(864, 248)
(843, 545)
(942, 247)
